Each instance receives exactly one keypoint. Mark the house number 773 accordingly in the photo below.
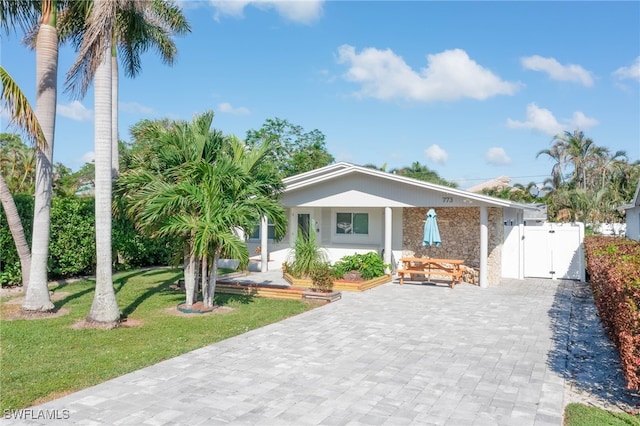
(446, 200)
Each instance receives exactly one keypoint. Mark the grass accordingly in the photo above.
(583, 415)
(42, 359)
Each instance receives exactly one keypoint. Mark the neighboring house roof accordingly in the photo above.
(540, 213)
(635, 202)
(336, 171)
(499, 183)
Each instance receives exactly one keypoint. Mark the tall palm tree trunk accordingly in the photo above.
(204, 273)
(37, 295)
(189, 274)
(213, 277)
(115, 159)
(17, 231)
(104, 308)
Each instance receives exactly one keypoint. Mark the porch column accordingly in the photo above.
(484, 246)
(387, 237)
(264, 239)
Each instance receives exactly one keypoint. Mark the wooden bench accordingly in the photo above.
(426, 266)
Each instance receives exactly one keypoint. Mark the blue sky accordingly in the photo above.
(471, 89)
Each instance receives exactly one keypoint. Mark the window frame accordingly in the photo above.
(353, 214)
(271, 232)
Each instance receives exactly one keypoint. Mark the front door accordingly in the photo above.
(304, 224)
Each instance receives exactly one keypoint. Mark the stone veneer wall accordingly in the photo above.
(460, 233)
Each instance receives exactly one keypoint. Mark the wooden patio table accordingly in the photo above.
(429, 266)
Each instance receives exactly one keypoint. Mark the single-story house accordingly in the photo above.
(632, 212)
(354, 209)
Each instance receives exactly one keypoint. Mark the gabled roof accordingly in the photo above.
(635, 202)
(333, 171)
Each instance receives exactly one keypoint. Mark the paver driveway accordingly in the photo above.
(416, 354)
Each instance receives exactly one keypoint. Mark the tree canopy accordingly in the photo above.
(588, 182)
(295, 151)
(189, 181)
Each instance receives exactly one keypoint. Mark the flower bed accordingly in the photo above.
(342, 285)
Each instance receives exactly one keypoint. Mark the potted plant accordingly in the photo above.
(322, 278)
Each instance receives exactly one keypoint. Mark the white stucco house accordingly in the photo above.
(354, 209)
(632, 212)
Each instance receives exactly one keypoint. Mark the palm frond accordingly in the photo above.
(22, 115)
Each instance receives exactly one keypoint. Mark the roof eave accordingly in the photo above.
(341, 169)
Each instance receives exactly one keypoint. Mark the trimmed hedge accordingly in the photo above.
(72, 241)
(614, 269)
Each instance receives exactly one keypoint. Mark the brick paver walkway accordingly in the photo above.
(416, 354)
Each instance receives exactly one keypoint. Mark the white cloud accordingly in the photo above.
(436, 154)
(581, 121)
(449, 75)
(87, 157)
(632, 72)
(543, 120)
(135, 108)
(228, 108)
(539, 119)
(300, 11)
(75, 111)
(497, 156)
(557, 71)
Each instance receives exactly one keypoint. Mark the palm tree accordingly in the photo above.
(25, 14)
(18, 164)
(218, 199)
(134, 34)
(161, 148)
(611, 165)
(582, 153)
(137, 24)
(96, 43)
(556, 153)
(25, 118)
(204, 187)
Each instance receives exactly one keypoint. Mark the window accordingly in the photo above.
(352, 223)
(271, 232)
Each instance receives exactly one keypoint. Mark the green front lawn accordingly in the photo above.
(583, 415)
(42, 359)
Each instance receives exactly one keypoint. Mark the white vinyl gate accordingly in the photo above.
(551, 250)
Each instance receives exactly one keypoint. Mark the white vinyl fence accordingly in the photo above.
(552, 250)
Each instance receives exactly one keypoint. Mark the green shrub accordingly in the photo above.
(305, 256)
(72, 244)
(322, 278)
(370, 265)
(10, 273)
(132, 249)
(72, 241)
